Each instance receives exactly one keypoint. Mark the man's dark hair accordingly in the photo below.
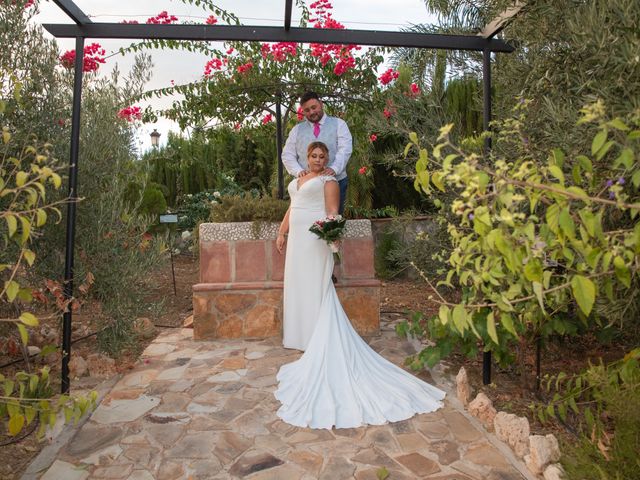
(310, 95)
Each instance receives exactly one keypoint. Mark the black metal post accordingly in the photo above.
(279, 145)
(173, 272)
(71, 212)
(486, 120)
(538, 354)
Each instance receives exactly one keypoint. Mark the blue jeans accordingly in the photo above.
(343, 184)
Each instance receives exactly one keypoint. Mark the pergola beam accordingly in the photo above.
(72, 10)
(277, 34)
(494, 27)
(288, 5)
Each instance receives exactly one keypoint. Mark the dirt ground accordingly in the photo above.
(398, 297)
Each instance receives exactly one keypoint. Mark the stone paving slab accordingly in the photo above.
(206, 410)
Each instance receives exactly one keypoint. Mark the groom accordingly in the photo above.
(332, 131)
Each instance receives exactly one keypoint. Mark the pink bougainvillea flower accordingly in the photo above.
(61, 122)
(172, 83)
(373, 137)
(415, 89)
(93, 57)
(237, 126)
(211, 65)
(130, 22)
(344, 65)
(389, 76)
(130, 113)
(387, 113)
(267, 118)
(230, 51)
(163, 18)
(245, 68)
(362, 170)
(300, 114)
(211, 20)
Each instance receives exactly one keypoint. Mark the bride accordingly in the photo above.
(339, 381)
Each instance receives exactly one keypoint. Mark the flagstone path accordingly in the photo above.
(206, 410)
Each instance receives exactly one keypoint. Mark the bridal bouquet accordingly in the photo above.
(331, 230)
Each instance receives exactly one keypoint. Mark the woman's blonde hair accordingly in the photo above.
(313, 145)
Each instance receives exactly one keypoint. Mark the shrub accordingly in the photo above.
(248, 209)
(27, 175)
(603, 406)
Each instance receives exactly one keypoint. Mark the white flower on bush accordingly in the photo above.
(186, 235)
(217, 194)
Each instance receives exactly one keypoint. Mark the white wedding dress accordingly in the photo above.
(339, 381)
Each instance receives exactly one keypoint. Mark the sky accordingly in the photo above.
(184, 67)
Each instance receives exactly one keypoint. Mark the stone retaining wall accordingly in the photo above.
(241, 273)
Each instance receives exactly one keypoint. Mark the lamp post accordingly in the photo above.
(155, 138)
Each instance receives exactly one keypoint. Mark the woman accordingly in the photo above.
(339, 381)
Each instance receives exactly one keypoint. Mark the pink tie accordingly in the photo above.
(316, 129)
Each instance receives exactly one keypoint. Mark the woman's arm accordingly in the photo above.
(331, 197)
(283, 231)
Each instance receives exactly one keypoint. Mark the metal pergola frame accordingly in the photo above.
(84, 28)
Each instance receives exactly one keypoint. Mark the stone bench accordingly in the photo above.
(241, 273)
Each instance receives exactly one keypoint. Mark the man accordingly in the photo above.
(332, 131)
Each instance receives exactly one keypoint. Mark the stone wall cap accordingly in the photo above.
(210, 287)
(233, 231)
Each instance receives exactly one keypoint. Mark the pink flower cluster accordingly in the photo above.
(267, 118)
(389, 76)
(415, 89)
(242, 69)
(211, 20)
(300, 114)
(343, 54)
(279, 51)
(130, 113)
(163, 18)
(131, 22)
(373, 137)
(362, 170)
(214, 64)
(387, 113)
(93, 57)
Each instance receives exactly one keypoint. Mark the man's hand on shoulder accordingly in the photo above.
(329, 171)
(302, 173)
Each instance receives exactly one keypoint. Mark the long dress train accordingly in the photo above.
(339, 381)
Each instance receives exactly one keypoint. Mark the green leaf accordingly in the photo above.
(12, 288)
(21, 178)
(26, 229)
(618, 124)
(635, 179)
(24, 335)
(29, 256)
(603, 151)
(12, 224)
(585, 163)
(443, 314)
(29, 319)
(491, 328)
(507, 322)
(382, 473)
(41, 217)
(16, 422)
(413, 136)
(584, 291)
(552, 216)
(557, 173)
(537, 289)
(533, 270)
(622, 271)
(625, 158)
(460, 318)
(566, 223)
(598, 141)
